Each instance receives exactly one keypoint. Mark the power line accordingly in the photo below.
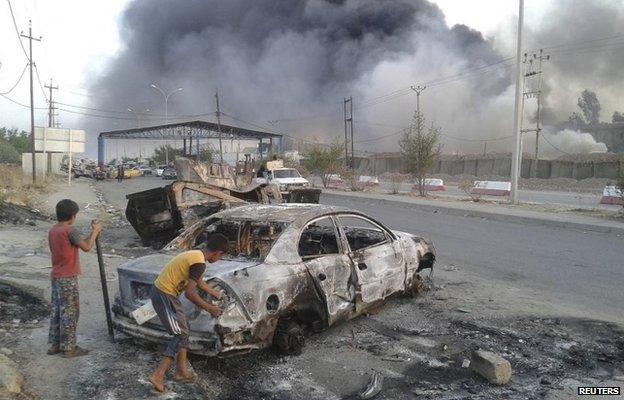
(555, 147)
(17, 82)
(41, 84)
(17, 31)
(21, 104)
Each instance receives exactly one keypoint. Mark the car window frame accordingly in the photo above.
(389, 237)
(339, 241)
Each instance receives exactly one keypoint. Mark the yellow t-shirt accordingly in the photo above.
(174, 277)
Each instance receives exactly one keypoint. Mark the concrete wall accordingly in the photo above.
(500, 166)
(50, 162)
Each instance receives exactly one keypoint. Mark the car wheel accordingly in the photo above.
(418, 287)
(289, 337)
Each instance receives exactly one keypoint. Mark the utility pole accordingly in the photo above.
(32, 101)
(348, 124)
(516, 154)
(535, 92)
(419, 119)
(51, 104)
(219, 127)
(418, 89)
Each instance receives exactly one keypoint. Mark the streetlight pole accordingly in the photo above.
(166, 97)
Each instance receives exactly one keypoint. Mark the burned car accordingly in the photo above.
(290, 268)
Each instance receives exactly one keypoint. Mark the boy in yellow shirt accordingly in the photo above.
(183, 274)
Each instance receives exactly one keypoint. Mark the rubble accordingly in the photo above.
(19, 214)
(11, 380)
(491, 366)
(374, 386)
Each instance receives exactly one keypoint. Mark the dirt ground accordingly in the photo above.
(418, 346)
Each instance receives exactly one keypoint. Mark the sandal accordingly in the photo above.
(77, 352)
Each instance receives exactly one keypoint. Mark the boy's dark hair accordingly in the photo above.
(66, 209)
(217, 242)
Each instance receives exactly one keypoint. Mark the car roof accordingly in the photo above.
(288, 212)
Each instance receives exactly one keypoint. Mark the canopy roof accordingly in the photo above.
(193, 129)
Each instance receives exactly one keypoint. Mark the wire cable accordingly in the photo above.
(17, 82)
(555, 147)
(19, 39)
(41, 84)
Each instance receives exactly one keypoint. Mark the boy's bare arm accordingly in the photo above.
(206, 288)
(195, 298)
(87, 243)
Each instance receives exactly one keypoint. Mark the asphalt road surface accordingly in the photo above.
(579, 269)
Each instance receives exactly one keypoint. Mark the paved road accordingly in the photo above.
(576, 268)
(573, 267)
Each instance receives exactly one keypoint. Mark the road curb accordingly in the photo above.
(497, 216)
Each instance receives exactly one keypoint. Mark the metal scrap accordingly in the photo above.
(374, 386)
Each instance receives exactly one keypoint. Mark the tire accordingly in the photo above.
(289, 338)
(418, 287)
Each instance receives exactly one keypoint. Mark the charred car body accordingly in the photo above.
(290, 268)
(158, 214)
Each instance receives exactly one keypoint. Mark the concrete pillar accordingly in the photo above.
(101, 150)
(260, 148)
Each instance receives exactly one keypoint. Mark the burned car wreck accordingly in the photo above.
(291, 268)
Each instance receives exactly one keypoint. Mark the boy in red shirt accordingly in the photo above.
(64, 240)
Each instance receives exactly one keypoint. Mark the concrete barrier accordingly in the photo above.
(432, 185)
(492, 188)
(368, 181)
(336, 182)
(612, 195)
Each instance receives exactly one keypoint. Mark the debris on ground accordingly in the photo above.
(17, 214)
(11, 380)
(491, 366)
(374, 386)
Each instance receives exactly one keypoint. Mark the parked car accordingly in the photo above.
(160, 169)
(291, 268)
(145, 170)
(169, 173)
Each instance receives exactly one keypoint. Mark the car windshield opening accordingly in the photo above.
(249, 240)
(286, 173)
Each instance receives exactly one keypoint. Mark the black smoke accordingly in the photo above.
(291, 59)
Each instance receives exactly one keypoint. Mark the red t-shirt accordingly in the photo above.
(63, 240)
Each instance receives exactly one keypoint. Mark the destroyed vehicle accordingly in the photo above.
(290, 269)
(293, 187)
(158, 214)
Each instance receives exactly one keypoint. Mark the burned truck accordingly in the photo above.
(290, 269)
(292, 186)
(158, 214)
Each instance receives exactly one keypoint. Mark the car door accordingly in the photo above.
(329, 266)
(376, 256)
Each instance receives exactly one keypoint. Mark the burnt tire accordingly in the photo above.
(418, 287)
(289, 337)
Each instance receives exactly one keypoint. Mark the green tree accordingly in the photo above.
(160, 155)
(8, 154)
(617, 117)
(420, 147)
(590, 106)
(324, 161)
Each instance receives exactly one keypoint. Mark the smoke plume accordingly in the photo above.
(294, 61)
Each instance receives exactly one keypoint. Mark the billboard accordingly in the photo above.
(56, 140)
